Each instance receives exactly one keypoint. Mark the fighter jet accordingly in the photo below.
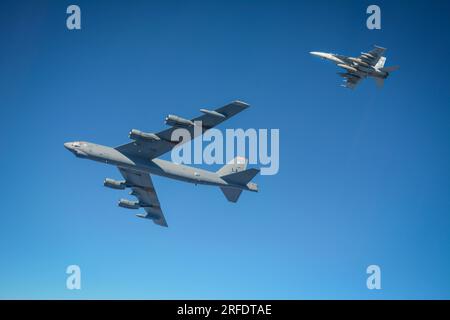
(370, 64)
(138, 160)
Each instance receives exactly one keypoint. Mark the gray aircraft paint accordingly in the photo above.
(369, 64)
(137, 161)
(160, 167)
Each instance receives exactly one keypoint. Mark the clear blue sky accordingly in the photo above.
(364, 175)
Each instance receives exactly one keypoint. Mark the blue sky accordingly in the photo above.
(364, 175)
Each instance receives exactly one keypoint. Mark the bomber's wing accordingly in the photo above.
(152, 148)
(350, 80)
(143, 189)
(373, 55)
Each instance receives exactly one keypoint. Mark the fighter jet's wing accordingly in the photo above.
(143, 189)
(155, 148)
(373, 55)
(351, 80)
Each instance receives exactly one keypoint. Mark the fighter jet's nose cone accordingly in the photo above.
(317, 54)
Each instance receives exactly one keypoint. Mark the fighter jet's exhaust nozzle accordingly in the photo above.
(388, 70)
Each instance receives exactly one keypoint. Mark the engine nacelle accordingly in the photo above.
(139, 135)
(114, 184)
(213, 113)
(128, 204)
(172, 120)
(347, 67)
(359, 62)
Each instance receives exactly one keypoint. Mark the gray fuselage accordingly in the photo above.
(108, 155)
(354, 65)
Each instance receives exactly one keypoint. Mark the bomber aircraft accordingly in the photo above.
(370, 64)
(138, 159)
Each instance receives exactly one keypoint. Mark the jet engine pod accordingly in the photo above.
(128, 204)
(139, 135)
(114, 184)
(177, 121)
(213, 113)
(347, 67)
(359, 62)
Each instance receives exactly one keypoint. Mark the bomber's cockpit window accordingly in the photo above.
(78, 144)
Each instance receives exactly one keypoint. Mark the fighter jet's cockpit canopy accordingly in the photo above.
(75, 144)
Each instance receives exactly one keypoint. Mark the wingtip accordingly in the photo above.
(241, 103)
(159, 222)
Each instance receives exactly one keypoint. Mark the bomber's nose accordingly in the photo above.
(68, 145)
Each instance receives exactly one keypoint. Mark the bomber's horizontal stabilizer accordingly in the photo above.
(242, 177)
(231, 194)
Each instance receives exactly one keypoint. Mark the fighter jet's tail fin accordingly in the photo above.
(380, 63)
(379, 82)
(235, 165)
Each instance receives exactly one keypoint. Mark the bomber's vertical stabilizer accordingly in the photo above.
(235, 165)
(236, 175)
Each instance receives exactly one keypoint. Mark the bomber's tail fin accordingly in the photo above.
(235, 165)
(235, 174)
(242, 177)
(231, 194)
